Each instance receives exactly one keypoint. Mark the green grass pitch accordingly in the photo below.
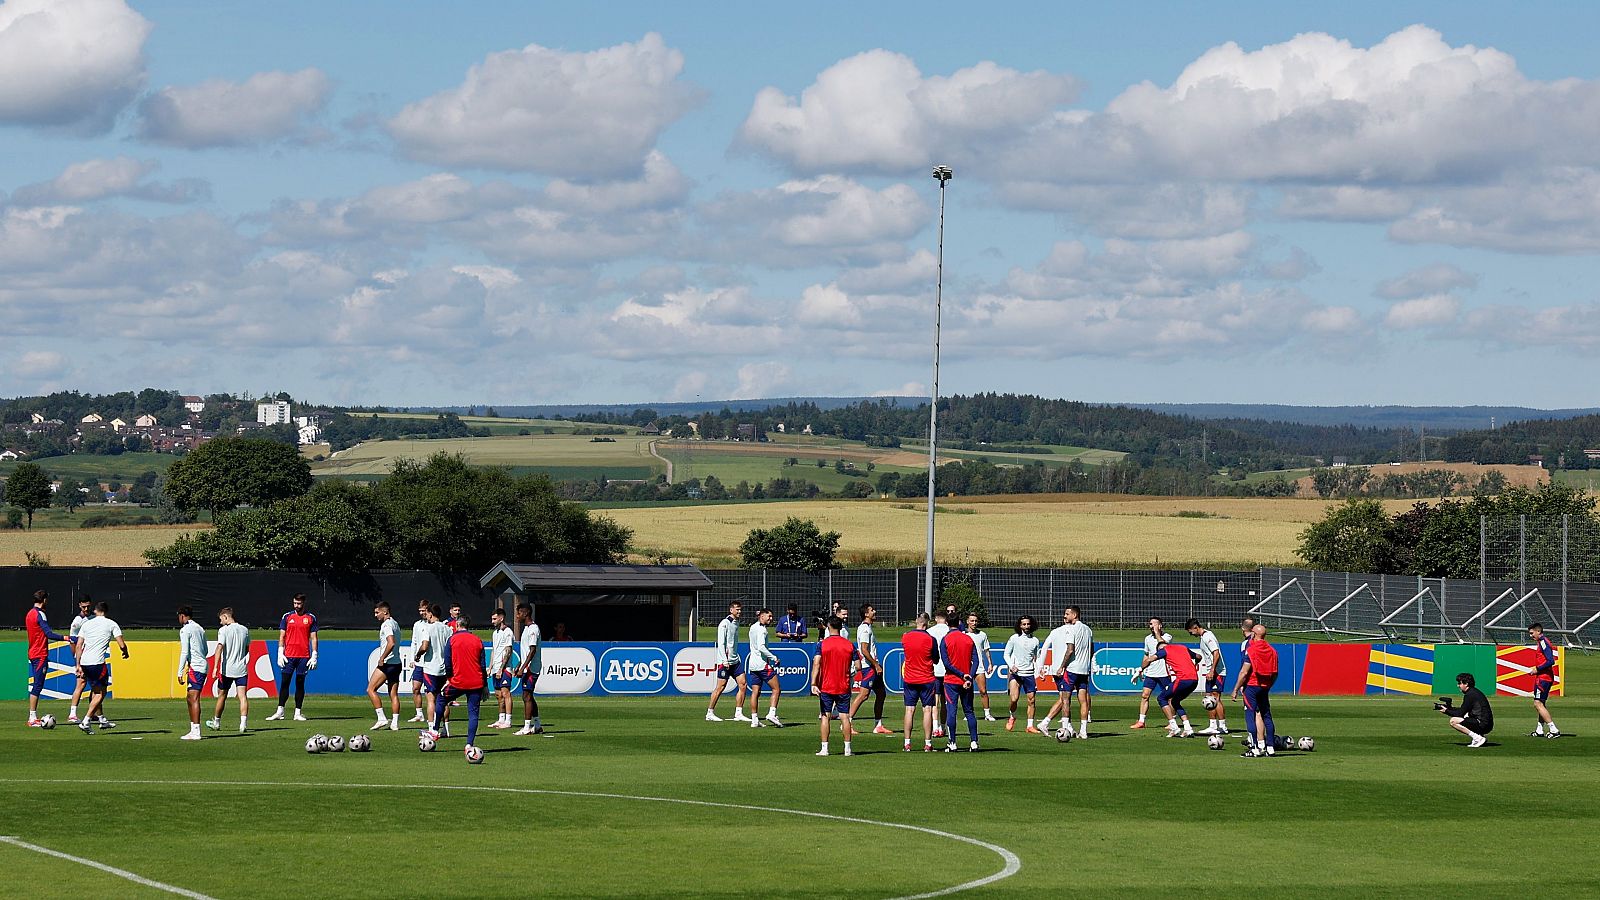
(1391, 804)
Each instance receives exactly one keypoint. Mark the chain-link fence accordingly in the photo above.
(1109, 598)
(1558, 557)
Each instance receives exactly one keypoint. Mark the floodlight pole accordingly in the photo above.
(942, 174)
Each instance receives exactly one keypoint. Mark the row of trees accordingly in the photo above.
(1439, 540)
(1354, 481)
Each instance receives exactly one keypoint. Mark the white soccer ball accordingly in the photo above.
(1215, 742)
(474, 755)
(336, 744)
(1210, 702)
(1064, 735)
(1306, 745)
(313, 745)
(360, 743)
(425, 742)
(321, 739)
(47, 721)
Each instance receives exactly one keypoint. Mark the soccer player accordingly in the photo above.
(388, 671)
(419, 630)
(1247, 627)
(500, 666)
(297, 655)
(830, 681)
(960, 658)
(85, 613)
(1053, 659)
(464, 676)
(433, 671)
(532, 664)
(1156, 677)
(40, 634)
(937, 631)
(233, 666)
(1544, 677)
(870, 678)
(919, 683)
(455, 613)
(1213, 676)
(94, 647)
(1183, 681)
(1473, 717)
(729, 665)
(1080, 664)
(1022, 655)
(191, 666)
(985, 663)
(762, 669)
(1256, 677)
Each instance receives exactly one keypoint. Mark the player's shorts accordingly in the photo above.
(452, 693)
(36, 672)
(416, 676)
(391, 673)
(502, 682)
(1076, 681)
(1541, 691)
(432, 683)
(869, 680)
(95, 677)
(919, 693)
(761, 677)
(729, 671)
(196, 681)
(835, 704)
(529, 682)
(1214, 683)
(1157, 684)
(1180, 691)
(1027, 684)
(225, 683)
(1477, 727)
(296, 665)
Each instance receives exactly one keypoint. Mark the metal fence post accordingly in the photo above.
(1483, 559)
(1565, 534)
(1522, 555)
(763, 587)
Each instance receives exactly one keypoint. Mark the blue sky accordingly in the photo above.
(523, 203)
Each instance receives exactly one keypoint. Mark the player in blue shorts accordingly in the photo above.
(191, 666)
(921, 685)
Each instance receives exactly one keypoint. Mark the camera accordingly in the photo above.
(1443, 704)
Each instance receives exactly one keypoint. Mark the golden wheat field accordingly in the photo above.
(1039, 531)
(89, 546)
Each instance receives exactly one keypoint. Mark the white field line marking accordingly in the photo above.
(1011, 867)
(120, 873)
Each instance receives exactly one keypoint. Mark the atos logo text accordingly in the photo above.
(634, 670)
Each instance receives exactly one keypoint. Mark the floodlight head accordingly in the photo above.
(943, 174)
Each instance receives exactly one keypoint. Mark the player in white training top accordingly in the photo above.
(1022, 656)
(1053, 664)
(1156, 676)
(980, 643)
(869, 680)
(191, 666)
(386, 672)
(762, 669)
(529, 668)
(233, 667)
(92, 650)
(85, 613)
(729, 665)
(500, 666)
(419, 631)
(1080, 665)
(1213, 672)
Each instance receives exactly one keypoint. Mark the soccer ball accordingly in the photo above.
(1283, 742)
(360, 744)
(1210, 701)
(425, 742)
(1306, 745)
(47, 721)
(321, 739)
(474, 755)
(1215, 742)
(1064, 735)
(313, 745)
(336, 744)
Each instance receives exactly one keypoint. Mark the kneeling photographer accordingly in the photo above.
(1473, 717)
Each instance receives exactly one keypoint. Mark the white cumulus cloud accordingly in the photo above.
(94, 179)
(69, 64)
(587, 115)
(265, 107)
(1423, 312)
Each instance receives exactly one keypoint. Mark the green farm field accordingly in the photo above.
(1058, 455)
(537, 451)
(124, 467)
(642, 797)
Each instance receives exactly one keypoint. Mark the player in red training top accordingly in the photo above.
(1544, 679)
(920, 685)
(297, 655)
(960, 657)
(830, 680)
(40, 634)
(1255, 682)
(465, 675)
(1185, 678)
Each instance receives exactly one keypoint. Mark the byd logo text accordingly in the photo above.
(634, 670)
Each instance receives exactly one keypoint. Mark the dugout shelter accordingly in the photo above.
(603, 603)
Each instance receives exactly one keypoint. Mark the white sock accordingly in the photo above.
(1539, 728)
(1554, 729)
(73, 713)
(280, 710)
(772, 711)
(847, 746)
(1044, 724)
(527, 723)
(242, 722)
(879, 724)
(1141, 717)
(33, 716)
(1223, 724)
(824, 746)
(1030, 723)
